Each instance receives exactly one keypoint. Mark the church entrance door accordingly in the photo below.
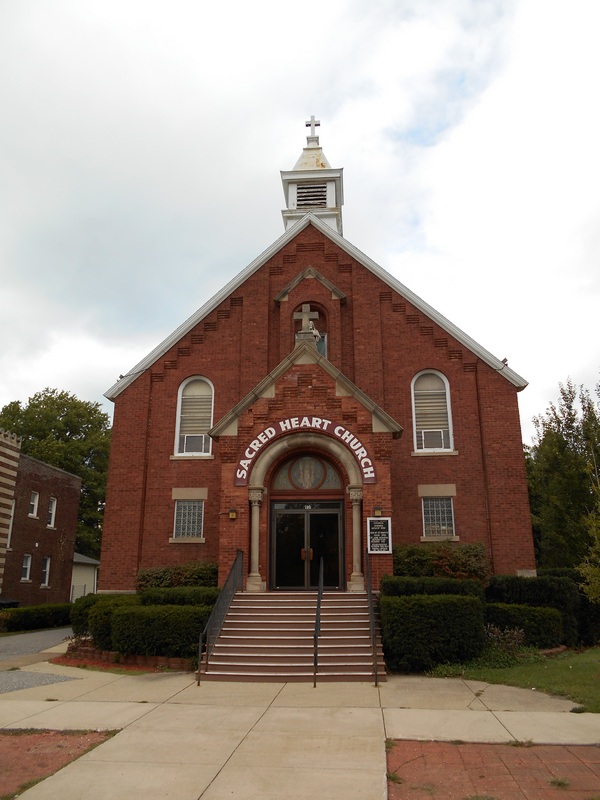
(302, 534)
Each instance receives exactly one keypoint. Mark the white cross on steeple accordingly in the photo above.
(313, 123)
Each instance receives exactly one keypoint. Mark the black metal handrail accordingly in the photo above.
(317, 632)
(212, 629)
(371, 615)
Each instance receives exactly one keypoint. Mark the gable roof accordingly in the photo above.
(305, 353)
(309, 219)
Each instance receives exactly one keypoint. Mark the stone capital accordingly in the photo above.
(255, 494)
(355, 492)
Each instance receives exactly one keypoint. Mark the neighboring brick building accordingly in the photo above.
(38, 521)
(312, 394)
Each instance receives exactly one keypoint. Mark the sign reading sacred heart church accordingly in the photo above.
(314, 405)
(299, 423)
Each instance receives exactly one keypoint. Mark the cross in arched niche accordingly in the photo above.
(306, 315)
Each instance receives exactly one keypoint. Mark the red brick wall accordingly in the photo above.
(32, 534)
(379, 341)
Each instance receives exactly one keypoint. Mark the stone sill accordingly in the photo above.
(186, 540)
(440, 538)
(188, 457)
(434, 453)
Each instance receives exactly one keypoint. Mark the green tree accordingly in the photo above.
(590, 568)
(58, 428)
(562, 469)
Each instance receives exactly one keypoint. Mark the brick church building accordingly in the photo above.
(314, 406)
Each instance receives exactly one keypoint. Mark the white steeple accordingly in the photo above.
(313, 185)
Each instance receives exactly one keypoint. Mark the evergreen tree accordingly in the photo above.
(58, 428)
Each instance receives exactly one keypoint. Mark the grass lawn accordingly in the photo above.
(575, 675)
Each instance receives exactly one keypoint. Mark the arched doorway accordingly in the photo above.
(306, 524)
(293, 444)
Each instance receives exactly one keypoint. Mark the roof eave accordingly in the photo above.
(309, 219)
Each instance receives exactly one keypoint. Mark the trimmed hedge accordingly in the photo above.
(195, 573)
(172, 631)
(589, 613)
(80, 609)
(442, 559)
(396, 586)
(181, 596)
(422, 631)
(549, 592)
(100, 617)
(30, 618)
(542, 627)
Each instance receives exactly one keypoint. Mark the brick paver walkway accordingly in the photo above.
(446, 771)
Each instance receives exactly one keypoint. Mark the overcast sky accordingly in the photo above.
(141, 143)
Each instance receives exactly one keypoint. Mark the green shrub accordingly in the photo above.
(542, 627)
(421, 631)
(442, 559)
(30, 618)
(172, 631)
(548, 592)
(589, 613)
(100, 617)
(195, 573)
(396, 586)
(589, 621)
(81, 608)
(560, 572)
(181, 596)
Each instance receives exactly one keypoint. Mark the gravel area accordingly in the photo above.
(14, 680)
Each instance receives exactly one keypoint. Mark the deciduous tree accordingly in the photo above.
(58, 428)
(562, 467)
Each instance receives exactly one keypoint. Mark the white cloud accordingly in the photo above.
(141, 145)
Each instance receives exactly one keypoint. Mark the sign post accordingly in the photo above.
(379, 534)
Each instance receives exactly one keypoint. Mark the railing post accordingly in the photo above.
(209, 635)
(371, 616)
(317, 632)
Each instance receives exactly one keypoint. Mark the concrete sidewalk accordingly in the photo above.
(267, 740)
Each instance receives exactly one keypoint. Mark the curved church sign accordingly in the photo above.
(318, 424)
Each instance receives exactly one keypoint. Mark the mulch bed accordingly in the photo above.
(84, 663)
(27, 756)
(447, 771)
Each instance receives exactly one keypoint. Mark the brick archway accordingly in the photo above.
(256, 489)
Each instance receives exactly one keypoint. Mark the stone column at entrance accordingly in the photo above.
(255, 581)
(357, 579)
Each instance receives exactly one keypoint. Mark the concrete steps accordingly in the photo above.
(269, 637)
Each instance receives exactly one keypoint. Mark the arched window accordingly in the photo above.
(194, 417)
(432, 416)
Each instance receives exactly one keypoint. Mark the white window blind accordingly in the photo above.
(432, 426)
(195, 418)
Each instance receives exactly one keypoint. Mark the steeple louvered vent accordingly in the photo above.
(311, 195)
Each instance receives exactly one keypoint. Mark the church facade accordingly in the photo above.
(315, 408)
